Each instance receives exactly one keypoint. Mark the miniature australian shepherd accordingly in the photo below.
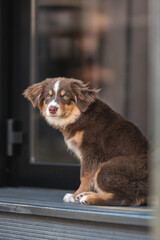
(112, 151)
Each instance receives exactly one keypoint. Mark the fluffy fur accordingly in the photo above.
(112, 150)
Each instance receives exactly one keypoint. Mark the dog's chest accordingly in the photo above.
(74, 143)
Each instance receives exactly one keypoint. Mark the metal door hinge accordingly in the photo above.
(14, 136)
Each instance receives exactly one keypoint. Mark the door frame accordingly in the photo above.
(5, 79)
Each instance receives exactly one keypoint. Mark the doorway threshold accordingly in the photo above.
(47, 205)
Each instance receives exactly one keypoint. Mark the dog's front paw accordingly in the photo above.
(79, 196)
(84, 200)
(82, 197)
(68, 197)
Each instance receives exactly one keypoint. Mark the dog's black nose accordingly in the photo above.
(53, 109)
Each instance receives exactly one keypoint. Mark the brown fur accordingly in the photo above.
(75, 142)
(112, 150)
(85, 185)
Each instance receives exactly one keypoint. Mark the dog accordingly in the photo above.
(112, 151)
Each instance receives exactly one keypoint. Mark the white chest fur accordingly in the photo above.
(74, 143)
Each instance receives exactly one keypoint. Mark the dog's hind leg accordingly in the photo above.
(121, 181)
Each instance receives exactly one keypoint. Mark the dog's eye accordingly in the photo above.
(65, 97)
(48, 96)
(50, 93)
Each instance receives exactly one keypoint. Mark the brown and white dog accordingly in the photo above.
(112, 150)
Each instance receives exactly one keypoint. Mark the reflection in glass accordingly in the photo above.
(94, 41)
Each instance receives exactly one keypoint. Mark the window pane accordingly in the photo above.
(98, 41)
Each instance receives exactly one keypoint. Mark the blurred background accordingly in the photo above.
(115, 45)
(103, 42)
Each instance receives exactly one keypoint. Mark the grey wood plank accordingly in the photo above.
(53, 228)
(48, 202)
(51, 197)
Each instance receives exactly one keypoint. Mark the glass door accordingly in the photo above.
(55, 30)
(96, 41)
(72, 39)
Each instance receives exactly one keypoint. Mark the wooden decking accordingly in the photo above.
(27, 213)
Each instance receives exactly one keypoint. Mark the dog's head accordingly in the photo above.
(61, 100)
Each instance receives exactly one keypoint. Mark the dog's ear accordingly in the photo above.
(84, 94)
(35, 93)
